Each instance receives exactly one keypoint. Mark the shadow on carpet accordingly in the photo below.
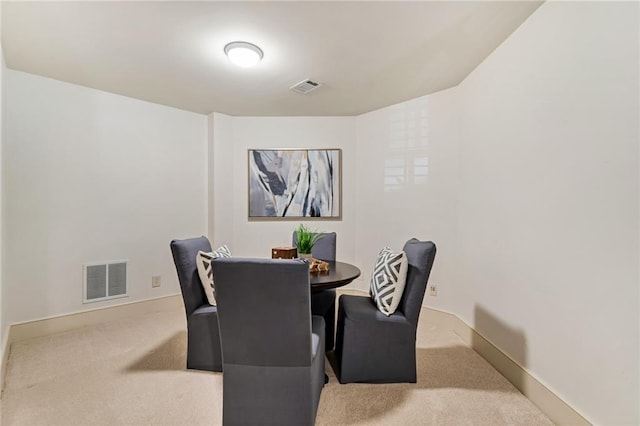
(169, 355)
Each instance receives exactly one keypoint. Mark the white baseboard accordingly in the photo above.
(63, 323)
(549, 403)
(60, 324)
(546, 400)
(5, 359)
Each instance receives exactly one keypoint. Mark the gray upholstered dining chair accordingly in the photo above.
(272, 347)
(203, 338)
(323, 302)
(374, 348)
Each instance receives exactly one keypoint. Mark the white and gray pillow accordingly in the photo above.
(388, 280)
(203, 262)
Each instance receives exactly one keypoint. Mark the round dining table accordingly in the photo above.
(339, 274)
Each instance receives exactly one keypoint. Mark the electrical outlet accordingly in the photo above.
(155, 281)
(433, 290)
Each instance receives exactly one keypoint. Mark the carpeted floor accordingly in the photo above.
(131, 372)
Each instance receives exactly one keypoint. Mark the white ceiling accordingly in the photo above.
(367, 54)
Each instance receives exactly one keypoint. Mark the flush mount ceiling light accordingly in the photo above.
(243, 54)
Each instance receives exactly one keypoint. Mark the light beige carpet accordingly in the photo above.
(131, 372)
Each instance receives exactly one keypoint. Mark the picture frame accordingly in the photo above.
(295, 184)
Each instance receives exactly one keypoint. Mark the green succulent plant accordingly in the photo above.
(306, 239)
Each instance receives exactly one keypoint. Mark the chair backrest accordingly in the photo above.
(184, 256)
(324, 248)
(264, 311)
(420, 257)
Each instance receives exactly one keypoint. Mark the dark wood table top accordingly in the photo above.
(339, 274)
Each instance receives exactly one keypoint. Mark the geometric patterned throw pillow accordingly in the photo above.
(388, 280)
(203, 262)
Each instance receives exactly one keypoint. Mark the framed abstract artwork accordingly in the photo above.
(295, 184)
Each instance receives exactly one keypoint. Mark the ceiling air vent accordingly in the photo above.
(305, 86)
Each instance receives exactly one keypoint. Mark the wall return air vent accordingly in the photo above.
(103, 281)
(305, 86)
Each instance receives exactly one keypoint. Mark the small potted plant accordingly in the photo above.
(306, 239)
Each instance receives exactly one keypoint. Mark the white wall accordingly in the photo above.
(233, 136)
(548, 203)
(408, 132)
(532, 199)
(407, 183)
(225, 188)
(92, 176)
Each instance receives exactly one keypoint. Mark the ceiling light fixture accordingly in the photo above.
(243, 54)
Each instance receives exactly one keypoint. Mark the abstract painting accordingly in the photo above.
(294, 183)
